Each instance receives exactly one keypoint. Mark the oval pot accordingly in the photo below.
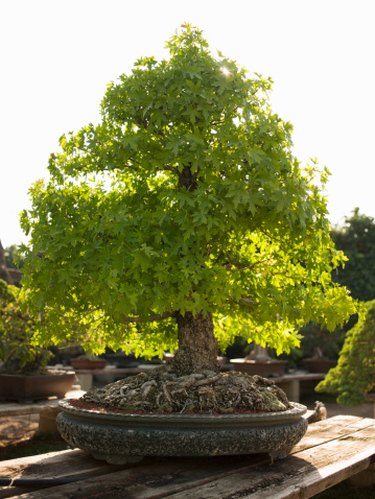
(122, 360)
(88, 363)
(262, 367)
(29, 388)
(121, 438)
(319, 365)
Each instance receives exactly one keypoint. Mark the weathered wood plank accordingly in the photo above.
(63, 466)
(159, 478)
(301, 475)
(8, 409)
(52, 465)
(298, 476)
(330, 429)
(320, 461)
(20, 408)
(314, 482)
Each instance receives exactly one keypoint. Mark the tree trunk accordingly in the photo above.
(197, 345)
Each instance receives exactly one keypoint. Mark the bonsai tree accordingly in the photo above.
(19, 352)
(182, 219)
(354, 376)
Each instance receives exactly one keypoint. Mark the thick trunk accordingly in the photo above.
(197, 345)
(187, 179)
(197, 348)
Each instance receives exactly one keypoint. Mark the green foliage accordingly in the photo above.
(186, 197)
(357, 240)
(354, 375)
(18, 349)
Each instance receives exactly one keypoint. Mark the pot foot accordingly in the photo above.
(281, 454)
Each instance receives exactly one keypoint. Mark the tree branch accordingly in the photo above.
(151, 318)
(238, 267)
(245, 300)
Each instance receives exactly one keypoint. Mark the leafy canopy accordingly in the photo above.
(185, 197)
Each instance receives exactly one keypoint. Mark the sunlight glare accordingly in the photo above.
(225, 71)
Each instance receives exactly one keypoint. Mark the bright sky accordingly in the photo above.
(58, 55)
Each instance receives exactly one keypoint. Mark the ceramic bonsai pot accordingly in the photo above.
(122, 360)
(88, 363)
(271, 367)
(318, 365)
(120, 438)
(22, 388)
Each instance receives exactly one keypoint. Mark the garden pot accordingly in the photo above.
(88, 363)
(22, 388)
(271, 367)
(121, 360)
(120, 438)
(319, 365)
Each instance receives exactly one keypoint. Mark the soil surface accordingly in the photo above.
(161, 391)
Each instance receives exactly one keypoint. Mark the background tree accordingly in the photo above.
(357, 240)
(182, 218)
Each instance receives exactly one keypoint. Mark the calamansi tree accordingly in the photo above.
(182, 219)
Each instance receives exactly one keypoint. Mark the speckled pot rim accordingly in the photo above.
(248, 419)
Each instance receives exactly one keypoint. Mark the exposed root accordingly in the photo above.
(162, 391)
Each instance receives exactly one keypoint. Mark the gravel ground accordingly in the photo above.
(16, 429)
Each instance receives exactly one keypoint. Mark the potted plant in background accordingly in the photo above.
(179, 222)
(23, 364)
(259, 361)
(320, 348)
(88, 361)
(352, 381)
(119, 359)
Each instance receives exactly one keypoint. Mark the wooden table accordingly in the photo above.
(291, 383)
(8, 409)
(331, 451)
